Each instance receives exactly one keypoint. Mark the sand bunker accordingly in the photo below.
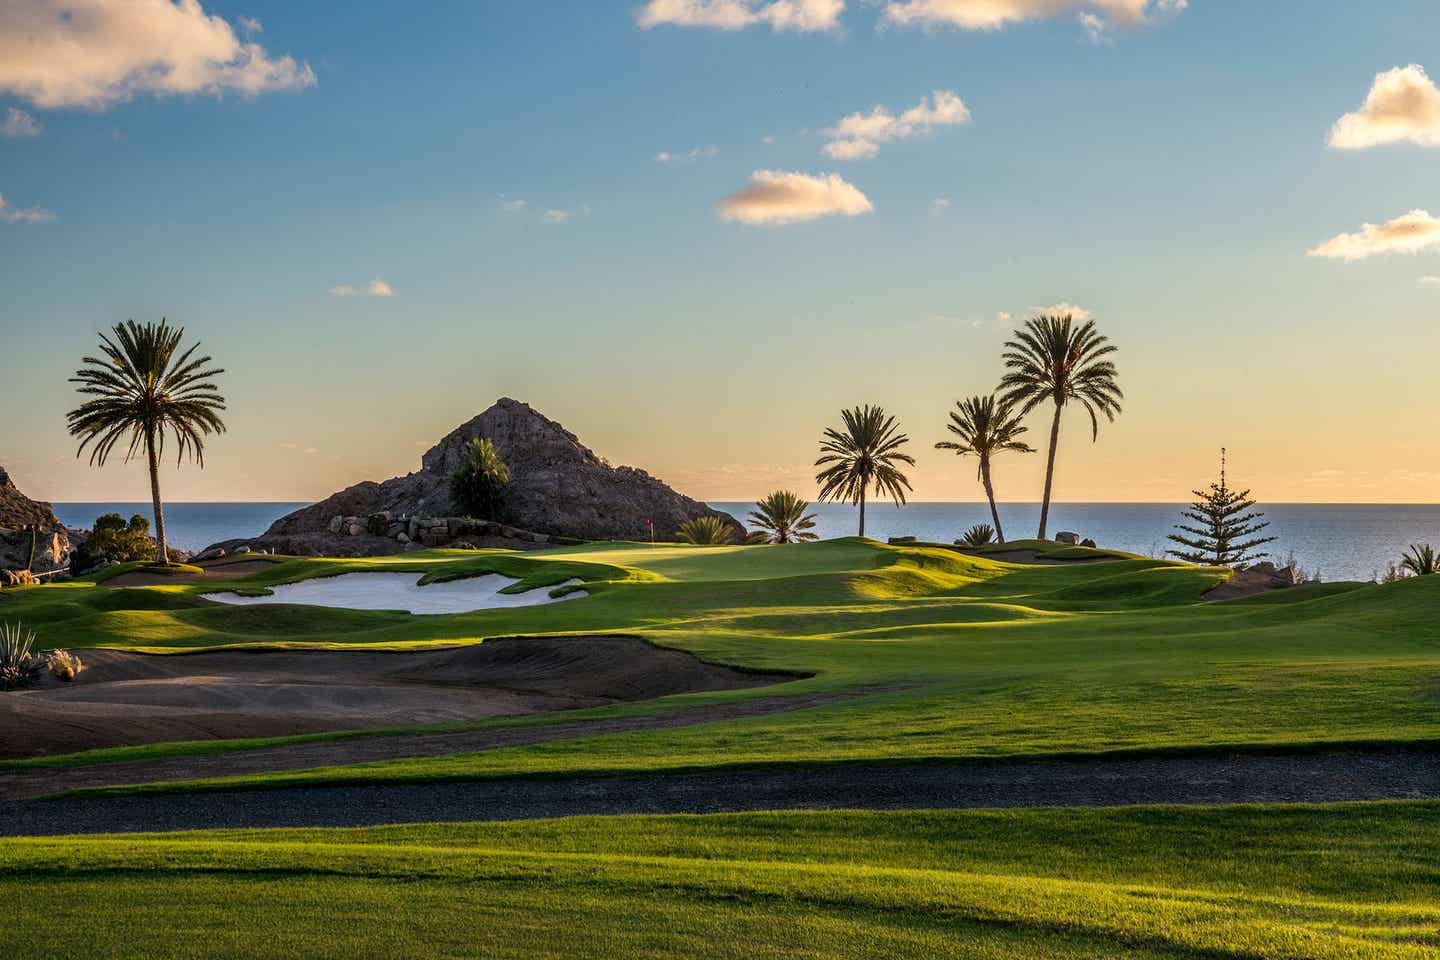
(130, 698)
(402, 591)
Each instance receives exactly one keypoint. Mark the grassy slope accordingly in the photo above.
(962, 656)
(1315, 882)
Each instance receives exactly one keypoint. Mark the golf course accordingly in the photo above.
(787, 687)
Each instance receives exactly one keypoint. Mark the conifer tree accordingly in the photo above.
(1225, 519)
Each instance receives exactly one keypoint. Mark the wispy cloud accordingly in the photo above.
(804, 16)
(1408, 233)
(19, 125)
(556, 216)
(693, 155)
(95, 53)
(1064, 309)
(1403, 105)
(859, 135)
(939, 205)
(1096, 16)
(1430, 281)
(776, 198)
(9, 214)
(375, 288)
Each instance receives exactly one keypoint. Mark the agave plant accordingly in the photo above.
(706, 532)
(1420, 561)
(781, 518)
(19, 667)
(978, 535)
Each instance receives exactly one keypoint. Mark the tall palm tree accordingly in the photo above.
(862, 456)
(144, 386)
(985, 426)
(782, 518)
(1054, 359)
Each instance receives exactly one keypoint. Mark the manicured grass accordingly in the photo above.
(1354, 880)
(958, 656)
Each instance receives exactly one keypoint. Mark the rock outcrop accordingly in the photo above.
(558, 487)
(23, 519)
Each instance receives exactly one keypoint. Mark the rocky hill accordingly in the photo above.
(558, 486)
(18, 514)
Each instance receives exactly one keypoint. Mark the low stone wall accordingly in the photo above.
(434, 531)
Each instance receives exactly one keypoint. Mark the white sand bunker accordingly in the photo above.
(402, 591)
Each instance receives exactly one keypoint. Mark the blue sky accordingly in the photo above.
(1170, 178)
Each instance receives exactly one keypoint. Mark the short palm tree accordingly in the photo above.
(144, 388)
(978, 535)
(1422, 561)
(1052, 359)
(478, 484)
(985, 426)
(706, 532)
(863, 455)
(781, 518)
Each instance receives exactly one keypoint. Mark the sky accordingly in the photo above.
(692, 231)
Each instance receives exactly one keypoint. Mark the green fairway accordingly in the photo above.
(1354, 880)
(933, 654)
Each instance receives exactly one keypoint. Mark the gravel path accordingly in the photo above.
(1362, 774)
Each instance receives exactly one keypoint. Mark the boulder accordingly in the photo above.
(1087, 542)
(1066, 537)
(20, 517)
(557, 486)
(336, 522)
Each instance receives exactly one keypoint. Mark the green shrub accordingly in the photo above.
(706, 532)
(115, 541)
(19, 666)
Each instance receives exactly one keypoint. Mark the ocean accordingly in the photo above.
(1337, 541)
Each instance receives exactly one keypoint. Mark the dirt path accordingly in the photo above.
(1339, 775)
(124, 698)
(24, 784)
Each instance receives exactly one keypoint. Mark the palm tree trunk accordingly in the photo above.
(862, 511)
(162, 554)
(1050, 471)
(990, 495)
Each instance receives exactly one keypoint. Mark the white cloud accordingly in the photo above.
(1408, 233)
(804, 16)
(9, 214)
(859, 135)
(767, 139)
(249, 26)
(1094, 26)
(513, 206)
(1095, 15)
(775, 198)
(95, 53)
(1003, 316)
(692, 155)
(1430, 281)
(939, 205)
(19, 125)
(556, 216)
(375, 288)
(1403, 104)
(1064, 309)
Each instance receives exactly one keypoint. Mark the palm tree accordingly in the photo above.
(706, 532)
(143, 388)
(1421, 561)
(863, 456)
(984, 426)
(781, 518)
(478, 484)
(1053, 359)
